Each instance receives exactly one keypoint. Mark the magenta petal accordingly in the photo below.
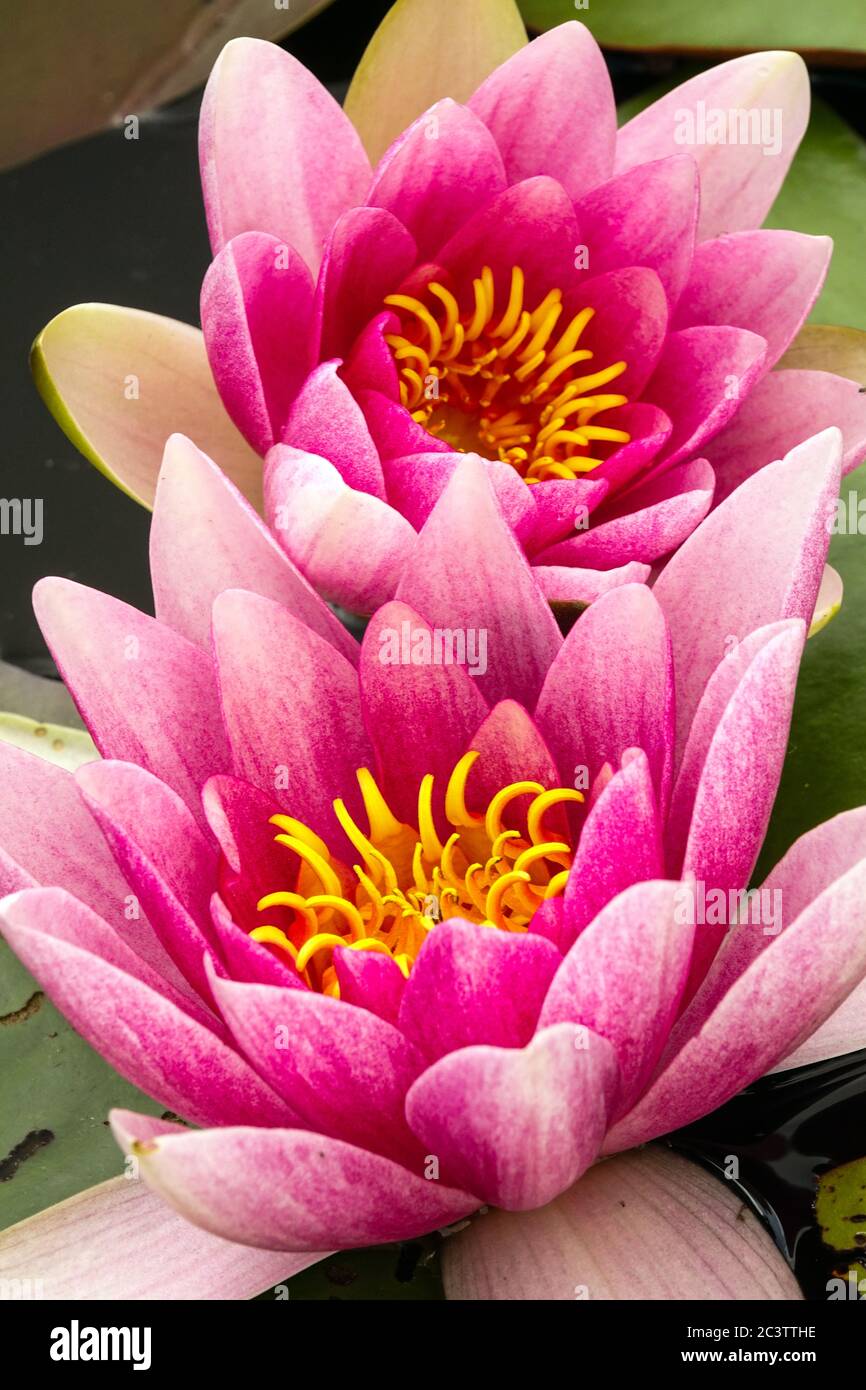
(782, 998)
(517, 1126)
(620, 844)
(624, 977)
(767, 577)
(146, 694)
(496, 596)
(510, 749)
(420, 714)
(611, 688)
(644, 524)
(291, 709)
(368, 253)
(252, 864)
(310, 1192)
(646, 216)
(785, 408)
(370, 980)
(393, 430)
(702, 376)
(277, 154)
(168, 863)
(551, 110)
(350, 545)
(531, 224)
(247, 960)
(630, 323)
(471, 984)
(327, 420)
(739, 179)
(438, 173)
(256, 307)
(342, 1069)
(206, 537)
(148, 1039)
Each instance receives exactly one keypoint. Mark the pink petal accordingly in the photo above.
(739, 181)
(620, 844)
(702, 376)
(812, 864)
(247, 960)
(551, 110)
(773, 1007)
(419, 716)
(327, 420)
(310, 1192)
(118, 1240)
(276, 152)
(371, 981)
(567, 585)
(785, 408)
(630, 322)
(256, 307)
(767, 577)
(624, 977)
(319, 522)
(471, 984)
(144, 1036)
(439, 172)
(166, 860)
(646, 216)
(611, 688)
(146, 694)
(531, 224)
(206, 537)
(291, 709)
(496, 594)
(766, 281)
(342, 1069)
(731, 769)
(644, 524)
(510, 749)
(517, 1126)
(642, 1226)
(368, 253)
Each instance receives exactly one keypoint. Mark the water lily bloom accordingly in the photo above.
(402, 941)
(593, 313)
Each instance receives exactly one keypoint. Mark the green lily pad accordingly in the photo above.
(681, 26)
(840, 1206)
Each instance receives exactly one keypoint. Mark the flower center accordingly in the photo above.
(512, 386)
(408, 881)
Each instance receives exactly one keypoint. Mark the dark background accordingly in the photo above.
(121, 221)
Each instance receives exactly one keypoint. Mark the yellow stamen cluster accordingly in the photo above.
(510, 386)
(409, 880)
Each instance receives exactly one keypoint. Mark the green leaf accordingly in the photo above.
(840, 1206)
(825, 768)
(392, 1272)
(681, 26)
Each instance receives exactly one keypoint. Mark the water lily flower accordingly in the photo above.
(594, 313)
(403, 941)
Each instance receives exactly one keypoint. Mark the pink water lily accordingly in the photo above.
(594, 313)
(355, 919)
